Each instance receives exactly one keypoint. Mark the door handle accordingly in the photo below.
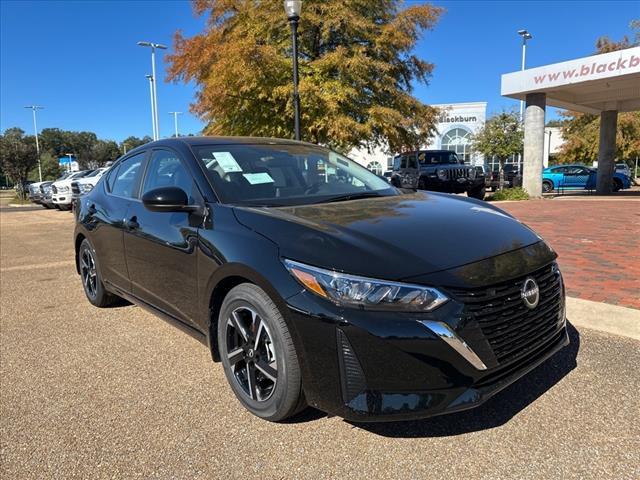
(132, 223)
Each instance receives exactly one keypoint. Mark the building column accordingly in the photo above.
(533, 143)
(606, 151)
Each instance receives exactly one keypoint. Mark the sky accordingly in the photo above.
(79, 59)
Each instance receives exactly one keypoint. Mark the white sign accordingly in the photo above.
(596, 67)
(258, 178)
(227, 163)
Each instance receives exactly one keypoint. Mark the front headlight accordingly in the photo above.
(442, 174)
(472, 173)
(86, 187)
(366, 293)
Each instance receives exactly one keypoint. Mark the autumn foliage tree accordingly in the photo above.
(502, 137)
(356, 71)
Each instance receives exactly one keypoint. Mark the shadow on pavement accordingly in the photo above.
(496, 411)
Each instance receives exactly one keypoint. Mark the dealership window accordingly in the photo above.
(375, 167)
(458, 140)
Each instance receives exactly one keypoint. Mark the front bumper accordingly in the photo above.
(61, 198)
(381, 366)
(459, 185)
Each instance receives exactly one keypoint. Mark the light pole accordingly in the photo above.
(292, 9)
(153, 47)
(525, 36)
(70, 155)
(175, 120)
(35, 128)
(153, 107)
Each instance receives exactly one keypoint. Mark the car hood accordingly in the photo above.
(390, 237)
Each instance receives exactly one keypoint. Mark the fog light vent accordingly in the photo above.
(351, 374)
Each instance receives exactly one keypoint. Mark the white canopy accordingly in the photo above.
(610, 81)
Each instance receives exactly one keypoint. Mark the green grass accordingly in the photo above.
(516, 193)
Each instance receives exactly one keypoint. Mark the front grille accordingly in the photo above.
(509, 326)
(455, 173)
(75, 188)
(54, 189)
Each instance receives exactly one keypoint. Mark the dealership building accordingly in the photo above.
(457, 124)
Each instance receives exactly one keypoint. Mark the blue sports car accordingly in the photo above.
(577, 177)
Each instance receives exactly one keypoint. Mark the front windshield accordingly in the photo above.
(279, 174)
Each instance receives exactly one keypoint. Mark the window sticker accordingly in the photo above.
(227, 163)
(258, 178)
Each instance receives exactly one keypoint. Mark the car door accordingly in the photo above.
(107, 213)
(580, 177)
(161, 247)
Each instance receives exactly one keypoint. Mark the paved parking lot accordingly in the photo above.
(117, 393)
(598, 241)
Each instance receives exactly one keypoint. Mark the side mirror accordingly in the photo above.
(168, 199)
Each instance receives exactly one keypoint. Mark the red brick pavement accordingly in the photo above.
(598, 243)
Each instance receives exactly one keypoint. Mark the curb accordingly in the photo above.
(604, 317)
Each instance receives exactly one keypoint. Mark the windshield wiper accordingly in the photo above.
(352, 196)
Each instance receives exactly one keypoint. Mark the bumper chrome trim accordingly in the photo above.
(443, 331)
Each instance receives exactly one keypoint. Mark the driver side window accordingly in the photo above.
(167, 170)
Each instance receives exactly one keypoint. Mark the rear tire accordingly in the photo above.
(258, 355)
(91, 276)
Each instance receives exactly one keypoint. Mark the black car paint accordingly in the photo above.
(180, 265)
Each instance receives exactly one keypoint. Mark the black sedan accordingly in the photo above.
(315, 282)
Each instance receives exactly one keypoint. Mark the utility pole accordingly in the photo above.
(525, 36)
(70, 155)
(153, 47)
(35, 128)
(175, 121)
(153, 107)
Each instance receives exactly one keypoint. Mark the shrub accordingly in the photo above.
(517, 193)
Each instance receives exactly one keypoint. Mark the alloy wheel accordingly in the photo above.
(251, 354)
(89, 272)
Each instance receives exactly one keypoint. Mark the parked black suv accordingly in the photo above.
(316, 282)
(437, 170)
(511, 173)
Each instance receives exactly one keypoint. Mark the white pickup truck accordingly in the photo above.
(61, 189)
(80, 186)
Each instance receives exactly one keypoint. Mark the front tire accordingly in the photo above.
(477, 193)
(91, 277)
(617, 185)
(547, 186)
(258, 355)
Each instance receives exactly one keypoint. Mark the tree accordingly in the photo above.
(581, 132)
(501, 136)
(51, 169)
(18, 154)
(132, 142)
(103, 151)
(356, 71)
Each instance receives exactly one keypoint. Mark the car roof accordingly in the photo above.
(218, 140)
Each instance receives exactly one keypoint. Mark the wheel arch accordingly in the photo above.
(222, 282)
(78, 241)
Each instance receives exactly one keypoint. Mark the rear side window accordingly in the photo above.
(112, 177)
(123, 181)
